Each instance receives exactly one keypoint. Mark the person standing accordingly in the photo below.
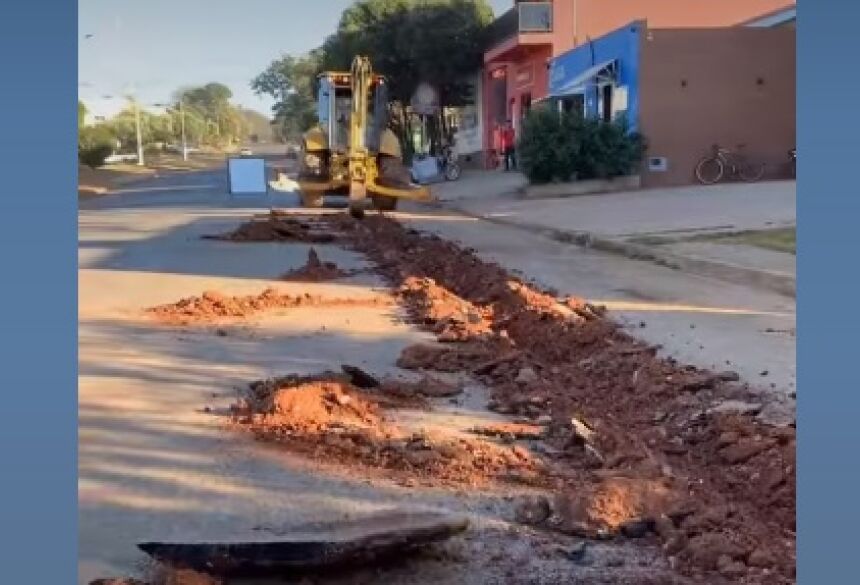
(508, 146)
(496, 146)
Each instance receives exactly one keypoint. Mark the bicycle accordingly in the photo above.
(792, 156)
(711, 169)
(449, 165)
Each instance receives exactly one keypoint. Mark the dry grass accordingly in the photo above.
(779, 240)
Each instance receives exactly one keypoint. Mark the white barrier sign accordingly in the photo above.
(247, 175)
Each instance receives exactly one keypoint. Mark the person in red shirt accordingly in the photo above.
(508, 146)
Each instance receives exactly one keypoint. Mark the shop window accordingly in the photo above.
(527, 104)
(574, 103)
(606, 103)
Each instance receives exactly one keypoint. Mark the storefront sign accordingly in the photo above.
(524, 76)
(556, 75)
(425, 101)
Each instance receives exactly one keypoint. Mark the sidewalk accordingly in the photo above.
(666, 226)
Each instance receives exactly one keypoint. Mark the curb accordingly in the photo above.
(763, 279)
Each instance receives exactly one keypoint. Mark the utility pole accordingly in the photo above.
(139, 134)
(182, 122)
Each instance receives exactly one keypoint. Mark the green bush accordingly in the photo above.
(95, 144)
(543, 151)
(563, 147)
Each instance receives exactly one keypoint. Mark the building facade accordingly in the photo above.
(686, 90)
(528, 36)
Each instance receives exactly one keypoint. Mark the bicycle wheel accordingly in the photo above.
(709, 170)
(751, 172)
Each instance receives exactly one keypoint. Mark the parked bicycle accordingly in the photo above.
(448, 164)
(722, 161)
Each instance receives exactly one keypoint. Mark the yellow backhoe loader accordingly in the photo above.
(351, 151)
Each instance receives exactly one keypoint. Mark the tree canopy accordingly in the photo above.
(291, 82)
(210, 120)
(439, 42)
(82, 114)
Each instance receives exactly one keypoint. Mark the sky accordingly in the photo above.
(150, 48)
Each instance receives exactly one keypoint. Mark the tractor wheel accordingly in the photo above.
(356, 211)
(384, 202)
(313, 201)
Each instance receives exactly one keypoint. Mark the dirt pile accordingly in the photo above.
(328, 419)
(213, 305)
(311, 404)
(316, 270)
(425, 387)
(277, 228)
(635, 413)
(449, 316)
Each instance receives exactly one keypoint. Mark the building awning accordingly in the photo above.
(592, 76)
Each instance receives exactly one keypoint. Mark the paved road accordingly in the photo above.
(153, 465)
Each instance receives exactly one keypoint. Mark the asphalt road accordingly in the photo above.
(154, 465)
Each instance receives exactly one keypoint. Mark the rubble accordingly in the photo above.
(316, 270)
(359, 377)
(276, 228)
(213, 305)
(326, 418)
(589, 365)
(511, 431)
(652, 461)
(736, 407)
(427, 386)
(532, 510)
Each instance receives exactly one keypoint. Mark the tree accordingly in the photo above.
(210, 117)
(82, 114)
(95, 144)
(439, 42)
(291, 82)
(412, 41)
(259, 126)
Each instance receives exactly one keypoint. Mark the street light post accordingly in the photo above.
(139, 134)
(182, 123)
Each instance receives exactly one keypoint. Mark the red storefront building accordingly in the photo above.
(526, 37)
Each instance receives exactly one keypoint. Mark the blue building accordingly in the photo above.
(686, 90)
(600, 78)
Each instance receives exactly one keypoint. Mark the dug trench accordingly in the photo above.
(631, 444)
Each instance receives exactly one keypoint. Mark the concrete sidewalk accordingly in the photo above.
(648, 224)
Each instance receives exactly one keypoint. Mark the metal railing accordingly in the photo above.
(524, 17)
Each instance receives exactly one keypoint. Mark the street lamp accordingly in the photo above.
(182, 124)
(137, 129)
(138, 132)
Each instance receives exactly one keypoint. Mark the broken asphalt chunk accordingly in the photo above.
(359, 377)
(357, 541)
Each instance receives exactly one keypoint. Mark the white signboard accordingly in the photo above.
(619, 100)
(425, 169)
(247, 176)
(425, 101)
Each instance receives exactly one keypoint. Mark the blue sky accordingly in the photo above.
(152, 47)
